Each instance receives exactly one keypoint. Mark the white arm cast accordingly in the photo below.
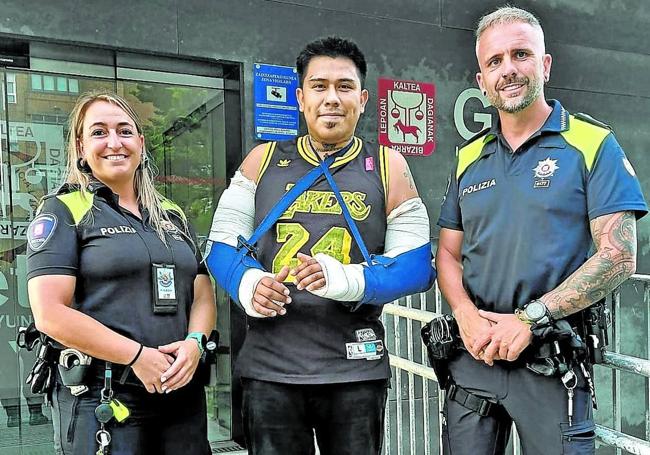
(235, 216)
(407, 228)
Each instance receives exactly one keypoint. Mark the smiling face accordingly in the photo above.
(110, 144)
(513, 65)
(331, 98)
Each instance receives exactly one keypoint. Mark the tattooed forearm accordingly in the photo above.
(613, 263)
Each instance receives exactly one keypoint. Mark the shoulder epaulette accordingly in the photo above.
(586, 135)
(78, 202)
(469, 151)
(589, 119)
(174, 208)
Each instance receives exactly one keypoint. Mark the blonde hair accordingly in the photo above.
(506, 15)
(143, 184)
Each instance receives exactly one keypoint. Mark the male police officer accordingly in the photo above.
(314, 357)
(526, 200)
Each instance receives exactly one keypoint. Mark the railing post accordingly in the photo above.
(646, 300)
(441, 393)
(616, 344)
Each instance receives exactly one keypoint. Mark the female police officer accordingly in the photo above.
(114, 273)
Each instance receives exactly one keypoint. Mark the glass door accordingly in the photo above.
(184, 130)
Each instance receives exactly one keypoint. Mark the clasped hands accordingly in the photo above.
(169, 367)
(489, 336)
(271, 295)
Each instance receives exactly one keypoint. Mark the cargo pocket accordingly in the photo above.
(579, 438)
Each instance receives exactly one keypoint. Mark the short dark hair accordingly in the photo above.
(333, 47)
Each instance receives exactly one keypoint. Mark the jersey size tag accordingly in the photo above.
(164, 288)
(368, 350)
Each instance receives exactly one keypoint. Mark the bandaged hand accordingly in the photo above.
(342, 282)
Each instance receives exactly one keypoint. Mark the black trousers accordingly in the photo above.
(282, 419)
(538, 405)
(173, 424)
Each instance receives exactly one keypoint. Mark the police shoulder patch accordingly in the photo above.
(41, 230)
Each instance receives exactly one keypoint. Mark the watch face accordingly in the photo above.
(535, 310)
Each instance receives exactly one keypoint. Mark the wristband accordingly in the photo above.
(200, 339)
(137, 356)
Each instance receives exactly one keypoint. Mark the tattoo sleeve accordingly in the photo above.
(614, 261)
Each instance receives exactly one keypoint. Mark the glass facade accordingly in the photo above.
(186, 136)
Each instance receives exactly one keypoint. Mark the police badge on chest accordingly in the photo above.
(164, 288)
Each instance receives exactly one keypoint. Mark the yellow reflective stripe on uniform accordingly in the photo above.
(77, 203)
(468, 154)
(169, 205)
(586, 137)
(266, 159)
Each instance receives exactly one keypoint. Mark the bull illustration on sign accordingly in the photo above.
(407, 129)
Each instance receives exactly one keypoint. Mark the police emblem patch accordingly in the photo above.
(41, 230)
(171, 229)
(543, 171)
(545, 168)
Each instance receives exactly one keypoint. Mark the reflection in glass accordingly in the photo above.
(184, 130)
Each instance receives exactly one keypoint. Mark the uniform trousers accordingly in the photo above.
(174, 423)
(283, 419)
(538, 405)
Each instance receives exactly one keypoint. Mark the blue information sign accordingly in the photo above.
(276, 107)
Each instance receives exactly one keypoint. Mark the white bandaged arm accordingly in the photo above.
(235, 216)
(407, 228)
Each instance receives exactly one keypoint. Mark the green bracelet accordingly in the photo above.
(200, 339)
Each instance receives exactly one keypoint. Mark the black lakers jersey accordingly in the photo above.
(311, 344)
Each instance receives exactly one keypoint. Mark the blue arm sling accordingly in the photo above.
(386, 279)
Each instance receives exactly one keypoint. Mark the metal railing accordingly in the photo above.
(411, 428)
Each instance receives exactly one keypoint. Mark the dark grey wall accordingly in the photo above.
(601, 53)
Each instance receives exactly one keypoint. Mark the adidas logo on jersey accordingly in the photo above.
(284, 163)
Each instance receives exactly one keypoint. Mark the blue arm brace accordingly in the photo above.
(227, 265)
(388, 279)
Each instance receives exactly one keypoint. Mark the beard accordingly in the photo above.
(533, 87)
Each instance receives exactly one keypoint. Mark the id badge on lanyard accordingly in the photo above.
(164, 288)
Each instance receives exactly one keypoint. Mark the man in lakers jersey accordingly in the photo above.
(314, 361)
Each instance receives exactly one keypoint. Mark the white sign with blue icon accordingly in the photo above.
(276, 107)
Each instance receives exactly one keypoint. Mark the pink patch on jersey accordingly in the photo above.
(370, 164)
